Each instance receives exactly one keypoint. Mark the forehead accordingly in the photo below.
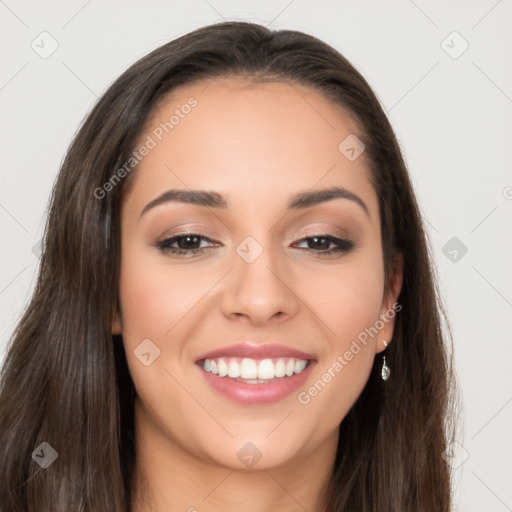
(234, 135)
(255, 114)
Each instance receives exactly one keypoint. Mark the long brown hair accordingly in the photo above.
(65, 380)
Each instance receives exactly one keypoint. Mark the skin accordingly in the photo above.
(257, 144)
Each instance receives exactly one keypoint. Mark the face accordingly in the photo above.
(253, 267)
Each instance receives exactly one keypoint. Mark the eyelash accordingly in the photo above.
(343, 245)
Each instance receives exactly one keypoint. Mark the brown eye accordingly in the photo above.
(186, 243)
(321, 244)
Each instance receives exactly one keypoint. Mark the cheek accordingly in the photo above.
(155, 297)
(348, 299)
(348, 302)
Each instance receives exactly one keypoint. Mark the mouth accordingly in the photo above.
(254, 371)
(248, 381)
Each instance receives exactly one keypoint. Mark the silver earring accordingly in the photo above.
(385, 372)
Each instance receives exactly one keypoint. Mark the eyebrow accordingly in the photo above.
(212, 199)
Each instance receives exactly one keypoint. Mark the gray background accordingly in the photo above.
(451, 112)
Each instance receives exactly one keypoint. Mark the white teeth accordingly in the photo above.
(279, 368)
(233, 369)
(254, 370)
(248, 369)
(299, 365)
(223, 367)
(290, 367)
(266, 369)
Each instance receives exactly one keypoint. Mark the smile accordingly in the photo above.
(250, 381)
(253, 371)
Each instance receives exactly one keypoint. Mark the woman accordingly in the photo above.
(236, 307)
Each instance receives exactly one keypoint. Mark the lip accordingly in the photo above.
(253, 394)
(252, 351)
(249, 394)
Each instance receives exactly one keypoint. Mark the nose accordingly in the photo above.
(260, 291)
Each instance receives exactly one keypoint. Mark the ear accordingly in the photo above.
(390, 307)
(117, 326)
